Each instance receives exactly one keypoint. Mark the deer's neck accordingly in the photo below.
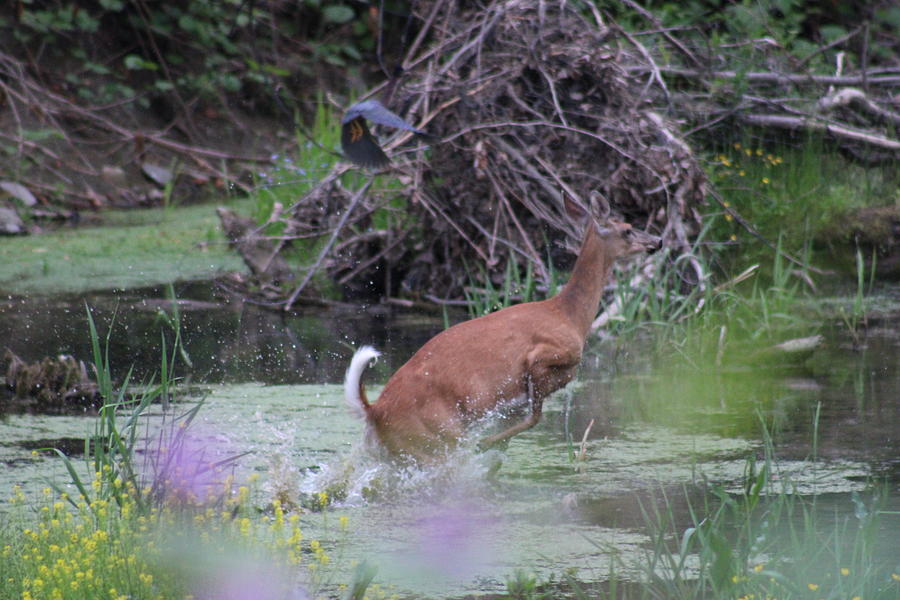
(580, 298)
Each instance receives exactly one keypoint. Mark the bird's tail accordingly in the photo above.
(354, 392)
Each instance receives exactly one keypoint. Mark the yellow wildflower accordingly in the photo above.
(812, 586)
(245, 527)
(845, 571)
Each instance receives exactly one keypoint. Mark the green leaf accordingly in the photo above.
(353, 53)
(37, 135)
(832, 32)
(188, 23)
(134, 62)
(277, 71)
(338, 13)
(230, 82)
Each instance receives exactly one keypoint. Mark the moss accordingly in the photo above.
(875, 231)
(131, 249)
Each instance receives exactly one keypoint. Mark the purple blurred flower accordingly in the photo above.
(249, 582)
(188, 465)
(452, 539)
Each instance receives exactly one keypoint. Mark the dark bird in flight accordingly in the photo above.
(358, 143)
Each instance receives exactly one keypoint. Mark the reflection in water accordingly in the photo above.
(659, 425)
(226, 340)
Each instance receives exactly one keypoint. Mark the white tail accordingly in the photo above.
(354, 393)
(524, 351)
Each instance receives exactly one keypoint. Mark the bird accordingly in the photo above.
(358, 143)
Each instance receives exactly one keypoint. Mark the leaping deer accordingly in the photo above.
(520, 353)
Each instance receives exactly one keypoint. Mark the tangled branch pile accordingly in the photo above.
(533, 102)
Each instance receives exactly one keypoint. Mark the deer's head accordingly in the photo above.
(619, 238)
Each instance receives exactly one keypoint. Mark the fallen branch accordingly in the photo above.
(857, 97)
(815, 124)
(772, 77)
(289, 303)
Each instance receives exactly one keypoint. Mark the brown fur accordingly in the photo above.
(528, 350)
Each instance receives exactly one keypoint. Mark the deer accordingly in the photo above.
(515, 356)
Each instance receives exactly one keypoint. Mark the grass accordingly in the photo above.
(134, 248)
(102, 549)
(855, 318)
(767, 542)
(483, 296)
(795, 191)
(159, 520)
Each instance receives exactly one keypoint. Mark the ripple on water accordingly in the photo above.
(465, 526)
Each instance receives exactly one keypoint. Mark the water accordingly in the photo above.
(656, 426)
(227, 340)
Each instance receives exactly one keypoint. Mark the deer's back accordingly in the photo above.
(477, 362)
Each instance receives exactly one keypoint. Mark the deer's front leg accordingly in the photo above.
(537, 406)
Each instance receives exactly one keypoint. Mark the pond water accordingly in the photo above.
(654, 427)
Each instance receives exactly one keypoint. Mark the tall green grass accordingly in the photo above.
(769, 542)
(765, 542)
(131, 531)
(483, 296)
(796, 191)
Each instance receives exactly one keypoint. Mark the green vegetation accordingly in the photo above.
(514, 289)
(157, 521)
(766, 542)
(795, 193)
(799, 27)
(208, 49)
(101, 549)
(133, 248)
(133, 526)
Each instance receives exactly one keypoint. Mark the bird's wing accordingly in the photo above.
(375, 111)
(360, 146)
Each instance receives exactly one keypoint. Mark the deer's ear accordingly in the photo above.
(600, 206)
(575, 211)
